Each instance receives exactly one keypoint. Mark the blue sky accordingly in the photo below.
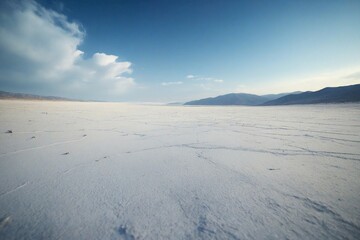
(178, 50)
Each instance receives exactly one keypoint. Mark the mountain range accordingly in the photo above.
(25, 96)
(235, 99)
(327, 95)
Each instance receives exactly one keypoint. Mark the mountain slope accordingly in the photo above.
(327, 95)
(25, 96)
(231, 99)
(279, 95)
(238, 99)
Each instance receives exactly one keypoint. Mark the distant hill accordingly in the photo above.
(237, 99)
(327, 95)
(10, 95)
(231, 99)
(175, 104)
(279, 95)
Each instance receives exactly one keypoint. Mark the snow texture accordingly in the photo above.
(123, 171)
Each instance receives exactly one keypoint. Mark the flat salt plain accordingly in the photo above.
(73, 170)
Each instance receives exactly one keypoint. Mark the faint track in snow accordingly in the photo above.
(14, 189)
(279, 152)
(326, 153)
(205, 224)
(75, 167)
(284, 128)
(320, 214)
(41, 147)
(46, 131)
(223, 167)
(155, 148)
(84, 164)
(276, 152)
(321, 208)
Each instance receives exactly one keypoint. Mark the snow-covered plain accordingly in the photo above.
(74, 170)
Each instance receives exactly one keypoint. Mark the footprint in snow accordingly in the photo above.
(123, 231)
(4, 221)
(97, 160)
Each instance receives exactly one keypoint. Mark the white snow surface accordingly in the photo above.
(77, 170)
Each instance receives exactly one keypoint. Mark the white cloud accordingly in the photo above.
(102, 59)
(200, 78)
(171, 83)
(40, 51)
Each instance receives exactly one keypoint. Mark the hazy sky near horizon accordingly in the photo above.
(165, 51)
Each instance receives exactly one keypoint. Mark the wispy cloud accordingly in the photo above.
(353, 76)
(171, 83)
(341, 77)
(40, 50)
(201, 78)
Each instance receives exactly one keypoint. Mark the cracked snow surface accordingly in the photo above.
(122, 171)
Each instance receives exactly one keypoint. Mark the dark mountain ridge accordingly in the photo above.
(244, 99)
(231, 99)
(327, 95)
(25, 96)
